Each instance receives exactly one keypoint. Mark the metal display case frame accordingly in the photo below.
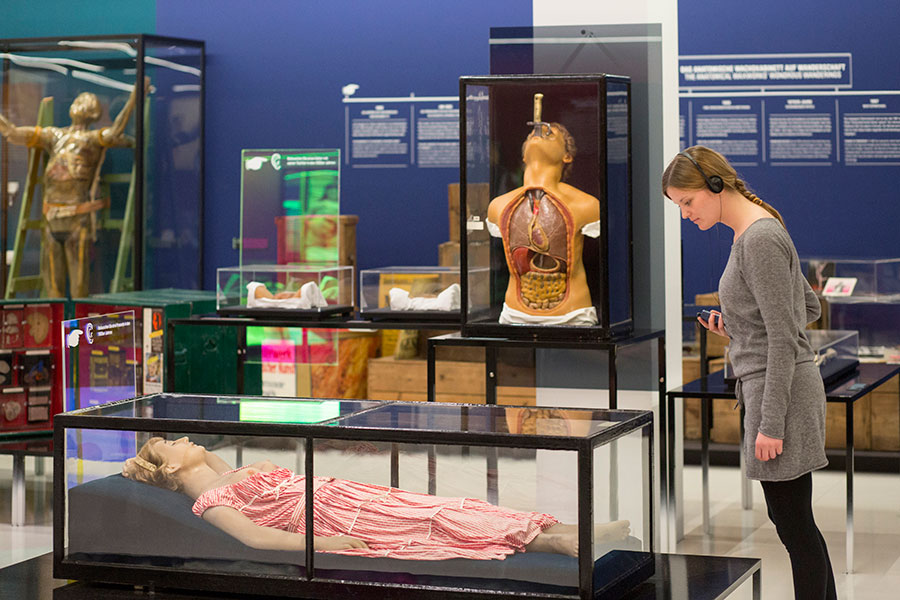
(606, 328)
(360, 427)
(140, 215)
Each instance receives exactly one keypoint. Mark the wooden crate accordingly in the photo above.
(448, 254)
(726, 424)
(453, 210)
(455, 381)
(885, 417)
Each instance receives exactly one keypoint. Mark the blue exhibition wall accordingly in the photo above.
(804, 97)
(275, 74)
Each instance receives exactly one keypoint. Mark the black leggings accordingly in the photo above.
(790, 508)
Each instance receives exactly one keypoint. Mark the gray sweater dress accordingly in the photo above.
(766, 305)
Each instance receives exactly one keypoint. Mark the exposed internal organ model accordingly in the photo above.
(543, 224)
(538, 228)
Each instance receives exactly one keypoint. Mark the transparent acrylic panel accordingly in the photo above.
(409, 289)
(480, 246)
(878, 324)
(299, 362)
(31, 348)
(861, 280)
(99, 359)
(173, 182)
(618, 193)
(460, 375)
(291, 197)
(146, 523)
(228, 409)
(41, 80)
(622, 527)
(423, 505)
(263, 287)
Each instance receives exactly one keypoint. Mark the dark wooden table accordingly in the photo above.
(713, 387)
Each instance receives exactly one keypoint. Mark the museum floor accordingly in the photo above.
(735, 532)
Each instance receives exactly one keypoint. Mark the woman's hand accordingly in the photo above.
(715, 323)
(337, 542)
(768, 448)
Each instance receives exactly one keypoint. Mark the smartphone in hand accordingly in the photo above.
(705, 315)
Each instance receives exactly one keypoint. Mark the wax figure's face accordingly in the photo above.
(85, 108)
(550, 146)
(179, 453)
(702, 207)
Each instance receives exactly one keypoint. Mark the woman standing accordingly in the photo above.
(766, 305)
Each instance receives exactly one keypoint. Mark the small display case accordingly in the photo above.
(285, 291)
(545, 180)
(153, 309)
(417, 482)
(31, 383)
(861, 295)
(860, 280)
(410, 293)
(836, 351)
(140, 194)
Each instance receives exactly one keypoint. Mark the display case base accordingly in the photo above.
(299, 314)
(449, 317)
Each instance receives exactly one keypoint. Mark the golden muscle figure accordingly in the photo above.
(543, 224)
(74, 157)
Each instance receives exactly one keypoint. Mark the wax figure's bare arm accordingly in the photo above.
(16, 135)
(236, 524)
(113, 135)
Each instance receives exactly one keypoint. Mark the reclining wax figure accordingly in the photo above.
(263, 506)
(543, 224)
(74, 157)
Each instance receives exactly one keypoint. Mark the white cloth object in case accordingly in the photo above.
(581, 317)
(310, 297)
(446, 300)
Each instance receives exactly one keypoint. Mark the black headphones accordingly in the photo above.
(713, 182)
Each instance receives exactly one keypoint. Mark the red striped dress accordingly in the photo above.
(392, 522)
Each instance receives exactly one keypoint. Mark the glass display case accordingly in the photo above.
(411, 481)
(31, 388)
(137, 202)
(854, 279)
(414, 293)
(291, 291)
(836, 354)
(153, 309)
(546, 181)
(861, 295)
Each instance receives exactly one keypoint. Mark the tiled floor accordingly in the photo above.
(735, 532)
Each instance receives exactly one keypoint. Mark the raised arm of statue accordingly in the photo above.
(24, 136)
(114, 135)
